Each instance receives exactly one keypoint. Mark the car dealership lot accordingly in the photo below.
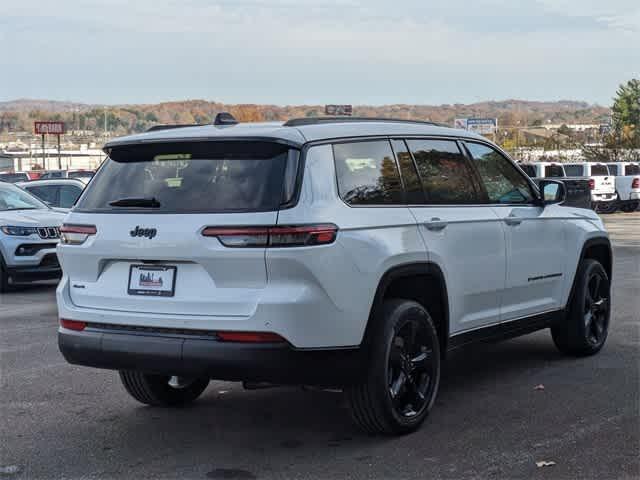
(490, 420)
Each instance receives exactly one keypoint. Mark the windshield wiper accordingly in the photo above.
(136, 202)
(20, 208)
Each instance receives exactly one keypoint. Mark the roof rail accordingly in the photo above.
(170, 127)
(299, 122)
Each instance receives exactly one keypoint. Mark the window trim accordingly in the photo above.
(415, 168)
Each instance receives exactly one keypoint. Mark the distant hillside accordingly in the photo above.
(18, 115)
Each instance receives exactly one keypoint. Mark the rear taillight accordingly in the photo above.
(72, 324)
(76, 234)
(250, 337)
(592, 184)
(635, 183)
(279, 236)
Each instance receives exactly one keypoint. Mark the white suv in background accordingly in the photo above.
(335, 252)
(28, 238)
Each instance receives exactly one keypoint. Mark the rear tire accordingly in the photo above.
(403, 375)
(586, 326)
(157, 390)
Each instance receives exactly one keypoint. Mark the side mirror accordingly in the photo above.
(552, 192)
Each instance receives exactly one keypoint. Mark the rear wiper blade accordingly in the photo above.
(136, 202)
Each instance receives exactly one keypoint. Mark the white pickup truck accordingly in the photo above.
(627, 184)
(578, 189)
(601, 182)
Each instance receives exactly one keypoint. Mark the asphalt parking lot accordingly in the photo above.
(490, 420)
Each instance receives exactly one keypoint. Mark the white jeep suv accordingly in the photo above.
(352, 253)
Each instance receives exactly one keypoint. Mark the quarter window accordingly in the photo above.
(502, 181)
(444, 171)
(367, 173)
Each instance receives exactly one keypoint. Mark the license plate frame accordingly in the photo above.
(153, 290)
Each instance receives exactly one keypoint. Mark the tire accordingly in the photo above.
(4, 278)
(629, 207)
(607, 207)
(402, 377)
(586, 326)
(157, 391)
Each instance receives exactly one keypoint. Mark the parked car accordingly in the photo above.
(578, 189)
(351, 253)
(82, 175)
(61, 193)
(13, 177)
(627, 184)
(29, 233)
(602, 184)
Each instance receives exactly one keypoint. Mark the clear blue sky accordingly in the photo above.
(302, 51)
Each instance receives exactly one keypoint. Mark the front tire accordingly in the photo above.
(162, 390)
(403, 375)
(4, 278)
(586, 326)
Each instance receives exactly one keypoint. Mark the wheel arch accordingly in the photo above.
(413, 281)
(598, 248)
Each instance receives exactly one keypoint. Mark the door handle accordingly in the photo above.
(435, 224)
(513, 220)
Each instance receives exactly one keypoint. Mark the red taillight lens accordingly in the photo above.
(592, 184)
(73, 324)
(279, 236)
(635, 183)
(76, 234)
(250, 337)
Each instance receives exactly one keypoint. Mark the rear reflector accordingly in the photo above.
(73, 324)
(278, 236)
(76, 234)
(250, 337)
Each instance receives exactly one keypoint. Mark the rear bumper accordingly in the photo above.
(205, 356)
(603, 197)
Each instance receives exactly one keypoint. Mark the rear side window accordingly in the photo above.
(553, 171)
(574, 170)
(367, 173)
(502, 181)
(191, 177)
(444, 171)
(632, 169)
(599, 170)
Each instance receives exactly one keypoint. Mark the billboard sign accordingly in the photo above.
(460, 123)
(49, 128)
(338, 110)
(482, 126)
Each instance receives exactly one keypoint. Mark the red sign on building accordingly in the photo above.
(49, 128)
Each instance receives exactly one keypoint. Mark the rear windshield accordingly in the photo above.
(574, 170)
(613, 169)
(599, 170)
(198, 177)
(80, 174)
(632, 169)
(553, 171)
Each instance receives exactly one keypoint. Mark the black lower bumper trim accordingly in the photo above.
(32, 274)
(205, 357)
